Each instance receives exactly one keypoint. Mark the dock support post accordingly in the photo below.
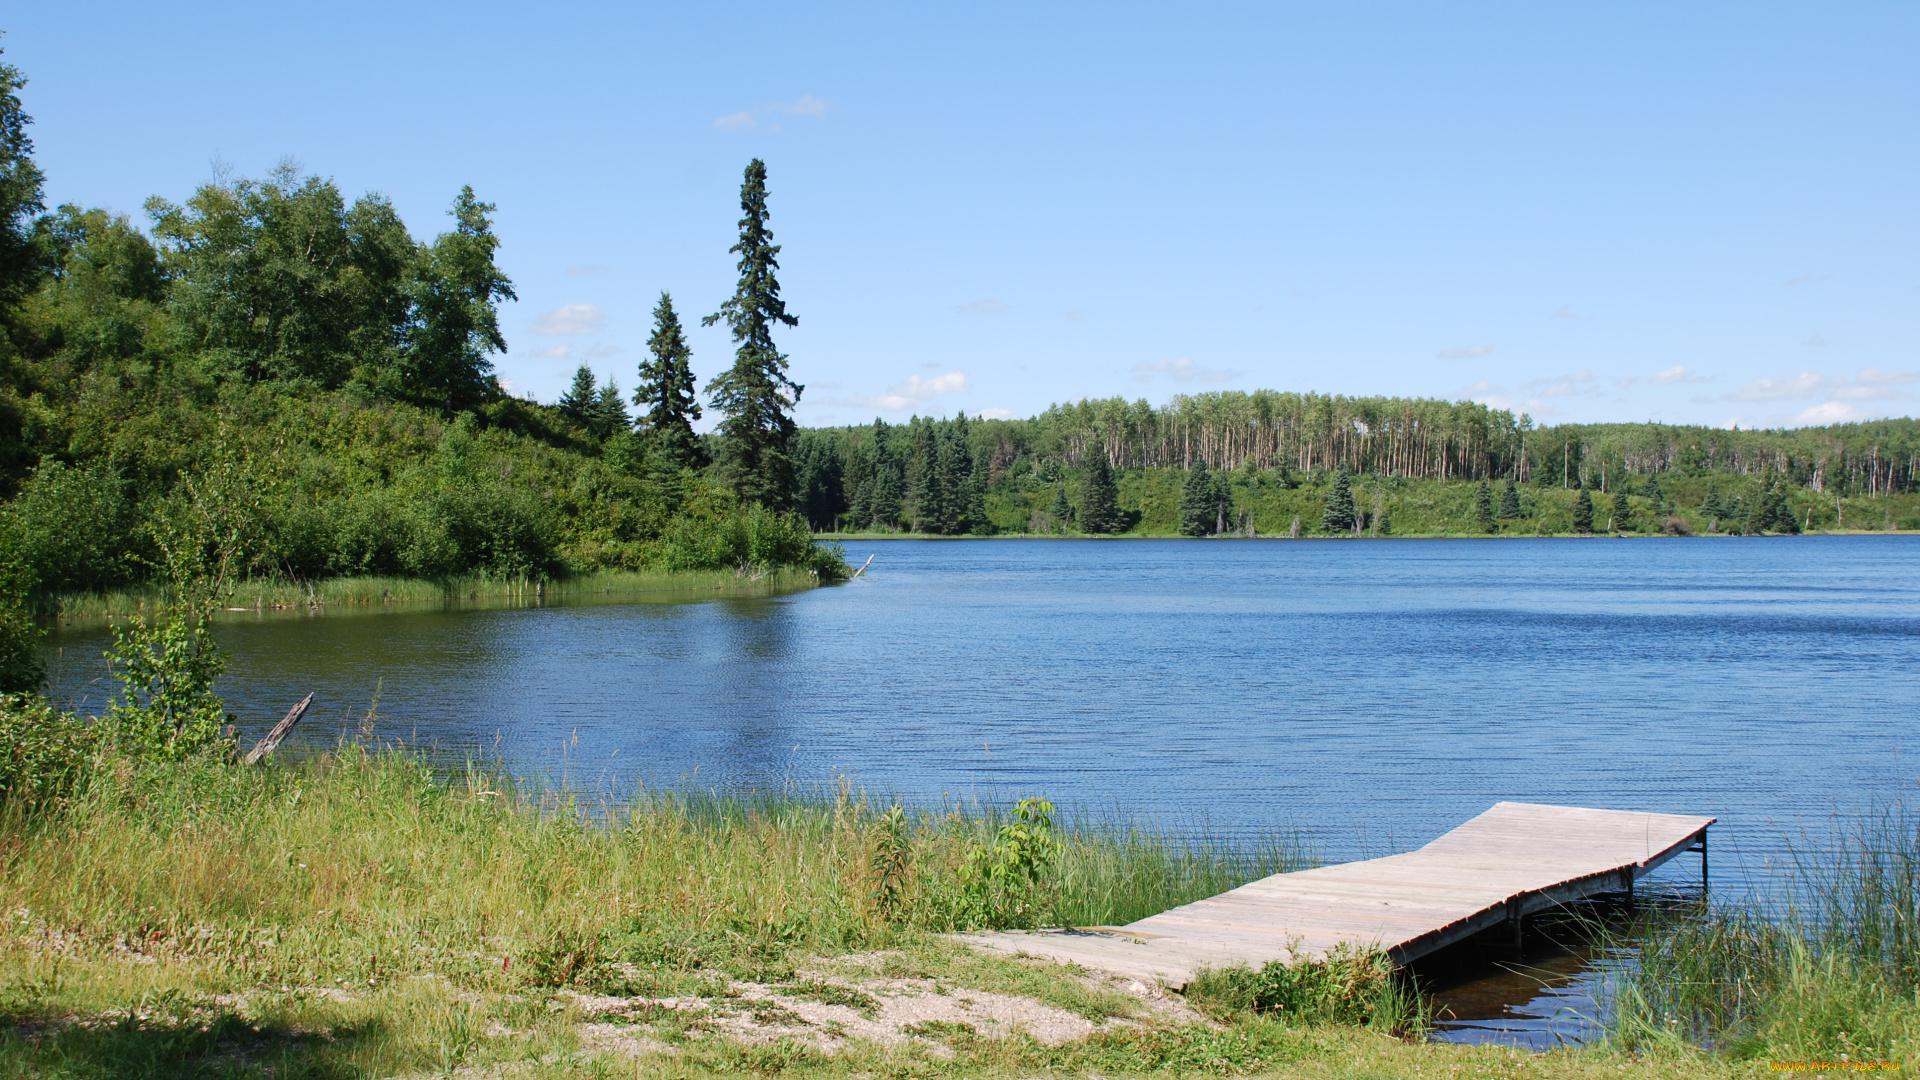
(1517, 922)
(1703, 861)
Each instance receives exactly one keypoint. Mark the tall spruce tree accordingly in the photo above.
(609, 412)
(1509, 502)
(1339, 514)
(1583, 512)
(666, 395)
(1483, 506)
(582, 398)
(1196, 501)
(1653, 493)
(1100, 496)
(755, 394)
(929, 501)
(1713, 508)
(1622, 511)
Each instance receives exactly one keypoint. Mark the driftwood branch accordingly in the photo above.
(265, 746)
(862, 570)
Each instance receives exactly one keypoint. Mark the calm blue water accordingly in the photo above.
(1365, 695)
(1369, 695)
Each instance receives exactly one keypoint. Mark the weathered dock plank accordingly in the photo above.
(1512, 861)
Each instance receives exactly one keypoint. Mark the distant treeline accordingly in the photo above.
(961, 476)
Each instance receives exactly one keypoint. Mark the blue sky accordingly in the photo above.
(1701, 213)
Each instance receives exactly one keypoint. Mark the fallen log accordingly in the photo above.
(266, 746)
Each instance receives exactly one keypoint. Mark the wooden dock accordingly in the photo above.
(1506, 864)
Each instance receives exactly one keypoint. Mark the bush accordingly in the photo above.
(76, 527)
(755, 538)
(43, 752)
(1346, 986)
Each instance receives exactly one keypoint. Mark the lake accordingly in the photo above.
(1365, 695)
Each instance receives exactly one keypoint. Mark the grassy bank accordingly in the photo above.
(359, 915)
(1826, 966)
(375, 593)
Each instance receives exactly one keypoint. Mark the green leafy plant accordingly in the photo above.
(1000, 883)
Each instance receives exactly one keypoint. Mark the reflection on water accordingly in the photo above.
(1364, 696)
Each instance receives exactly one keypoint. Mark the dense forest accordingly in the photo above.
(1269, 462)
(307, 366)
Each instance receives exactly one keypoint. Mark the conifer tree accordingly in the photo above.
(1339, 514)
(1196, 501)
(1713, 507)
(1583, 511)
(666, 395)
(1483, 506)
(1222, 501)
(1653, 493)
(956, 475)
(1622, 512)
(929, 502)
(582, 398)
(1509, 502)
(1062, 510)
(756, 394)
(1100, 496)
(609, 412)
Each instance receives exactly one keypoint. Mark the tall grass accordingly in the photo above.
(365, 867)
(383, 593)
(1824, 967)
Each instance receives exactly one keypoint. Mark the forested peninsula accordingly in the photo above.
(302, 373)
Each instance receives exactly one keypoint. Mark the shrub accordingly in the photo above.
(1346, 986)
(76, 527)
(43, 752)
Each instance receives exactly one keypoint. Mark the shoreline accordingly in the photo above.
(371, 595)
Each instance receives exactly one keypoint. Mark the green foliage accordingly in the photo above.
(753, 540)
(1346, 986)
(1509, 509)
(1483, 506)
(76, 527)
(756, 393)
(20, 666)
(1001, 882)
(455, 290)
(579, 400)
(1622, 511)
(1338, 517)
(1099, 510)
(1583, 512)
(890, 861)
(166, 664)
(20, 191)
(1197, 504)
(43, 752)
(666, 394)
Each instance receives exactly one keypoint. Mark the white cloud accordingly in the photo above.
(913, 390)
(557, 352)
(573, 351)
(1817, 341)
(808, 105)
(582, 271)
(734, 121)
(1565, 312)
(1678, 373)
(990, 306)
(995, 414)
(1627, 380)
(570, 319)
(1184, 370)
(506, 384)
(1479, 388)
(1073, 316)
(1804, 385)
(1829, 412)
(1870, 384)
(1465, 352)
(1562, 385)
